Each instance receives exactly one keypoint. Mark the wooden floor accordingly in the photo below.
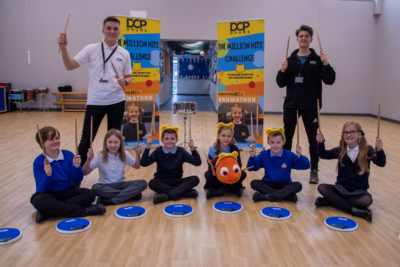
(205, 238)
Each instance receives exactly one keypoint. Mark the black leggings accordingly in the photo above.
(332, 196)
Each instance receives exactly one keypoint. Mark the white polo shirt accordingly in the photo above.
(100, 93)
(114, 170)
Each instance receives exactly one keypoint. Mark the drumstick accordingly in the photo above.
(209, 162)
(137, 130)
(41, 144)
(114, 69)
(251, 122)
(91, 132)
(379, 119)
(319, 41)
(153, 119)
(287, 49)
(190, 126)
(257, 118)
(247, 168)
(298, 134)
(76, 136)
(319, 116)
(65, 30)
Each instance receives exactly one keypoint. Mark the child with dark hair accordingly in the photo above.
(354, 155)
(168, 182)
(277, 162)
(55, 195)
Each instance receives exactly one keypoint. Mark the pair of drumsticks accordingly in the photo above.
(76, 138)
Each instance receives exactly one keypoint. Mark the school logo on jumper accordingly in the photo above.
(140, 132)
(284, 165)
(243, 134)
(313, 62)
(119, 59)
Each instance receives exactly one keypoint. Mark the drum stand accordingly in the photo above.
(43, 108)
(184, 144)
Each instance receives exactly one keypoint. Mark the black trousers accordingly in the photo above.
(175, 188)
(114, 112)
(213, 182)
(276, 191)
(68, 203)
(310, 121)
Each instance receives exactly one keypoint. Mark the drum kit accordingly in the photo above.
(185, 108)
(28, 95)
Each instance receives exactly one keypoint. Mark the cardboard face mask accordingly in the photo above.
(228, 170)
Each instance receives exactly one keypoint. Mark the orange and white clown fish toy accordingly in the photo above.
(227, 168)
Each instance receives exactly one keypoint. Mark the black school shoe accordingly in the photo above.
(39, 217)
(137, 197)
(259, 197)
(97, 209)
(292, 198)
(321, 202)
(214, 192)
(191, 194)
(238, 191)
(362, 213)
(160, 198)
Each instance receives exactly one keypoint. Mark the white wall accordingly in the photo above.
(387, 58)
(166, 86)
(347, 32)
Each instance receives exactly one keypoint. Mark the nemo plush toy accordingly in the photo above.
(227, 168)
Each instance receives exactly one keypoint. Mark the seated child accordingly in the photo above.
(55, 196)
(112, 188)
(130, 127)
(354, 155)
(225, 144)
(278, 163)
(168, 181)
(241, 131)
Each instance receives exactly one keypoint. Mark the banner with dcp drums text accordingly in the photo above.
(241, 79)
(141, 38)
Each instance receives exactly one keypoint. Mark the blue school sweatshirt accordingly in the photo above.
(63, 173)
(277, 169)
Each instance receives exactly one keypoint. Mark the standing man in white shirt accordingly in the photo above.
(105, 93)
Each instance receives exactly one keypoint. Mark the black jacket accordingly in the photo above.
(348, 175)
(303, 96)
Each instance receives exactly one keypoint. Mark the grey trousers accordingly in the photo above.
(120, 192)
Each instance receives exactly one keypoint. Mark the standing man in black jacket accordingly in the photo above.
(302, 74)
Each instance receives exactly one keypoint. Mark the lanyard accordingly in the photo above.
(105, 60)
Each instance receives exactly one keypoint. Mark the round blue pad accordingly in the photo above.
(178, 210)
(73, 226)
(130, 212)
(9, 235)
(228, 207)
(276, 213)
(341, 224)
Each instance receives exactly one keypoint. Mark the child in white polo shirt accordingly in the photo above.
(112, 188)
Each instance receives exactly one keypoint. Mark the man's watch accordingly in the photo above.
(126, 83)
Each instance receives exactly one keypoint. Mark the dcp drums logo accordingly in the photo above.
(136, 25)
(239, 27)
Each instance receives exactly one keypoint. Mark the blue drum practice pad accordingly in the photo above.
(276, 213)
(73, 226)
(228, 207)
(341, 224)
(130, 212)
(178, 210)
(9, 235)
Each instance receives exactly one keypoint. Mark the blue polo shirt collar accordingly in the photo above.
(278, 156)
(166, 152)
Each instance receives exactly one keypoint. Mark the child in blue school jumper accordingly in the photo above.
(55, 194)
(168, 182)
(276, 184)
(354, 155)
